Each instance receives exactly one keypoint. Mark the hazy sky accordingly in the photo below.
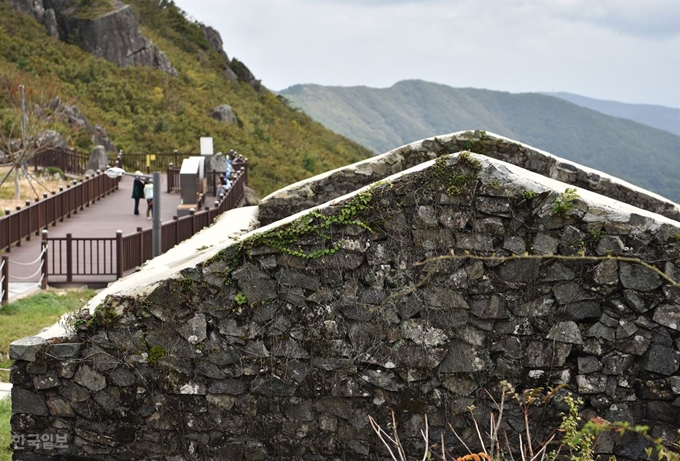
(623, 50)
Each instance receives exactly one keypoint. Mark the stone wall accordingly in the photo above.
(327, 186)
(280, 345)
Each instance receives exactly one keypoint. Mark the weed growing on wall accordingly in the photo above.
(565, 202)
(286, 239)
(572, 437)
(457, 177)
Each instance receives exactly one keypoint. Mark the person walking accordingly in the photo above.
(148, 194)
(137, 190)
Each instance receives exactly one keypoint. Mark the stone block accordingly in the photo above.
(662, 360)
(463, 358)
(566, 332)
(668, 315)
(28, 402)
(591, 384)
(63, 350)
(26, 348)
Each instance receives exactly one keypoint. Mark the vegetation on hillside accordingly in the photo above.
(386, 118)
(663, 118)
(146, 110)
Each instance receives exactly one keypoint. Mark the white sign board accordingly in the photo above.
(206, 146)
(201, 166)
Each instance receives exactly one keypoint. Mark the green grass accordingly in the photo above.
(5, 432)
(26, 317)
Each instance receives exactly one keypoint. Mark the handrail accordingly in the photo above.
(29, 220)
(120, 254)
(68, 160)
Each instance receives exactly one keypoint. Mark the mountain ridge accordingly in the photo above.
(661, 117)
(383, 119)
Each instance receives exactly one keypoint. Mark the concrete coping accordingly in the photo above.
(389, 158)
(237, 224)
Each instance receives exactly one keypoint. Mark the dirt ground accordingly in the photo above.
(29, 186)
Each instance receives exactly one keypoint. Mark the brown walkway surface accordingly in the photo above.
(114, 212)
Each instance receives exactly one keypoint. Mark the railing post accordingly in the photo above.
(27, 203)
(81, 190)
(62, 195)
(45, 259)
(69, 258)
(157, 243)
(192, 212)
(5, 279)
(140, 231)
(18, 227)
(119, 254)
(168, 177)
(175, 220)
(8, 230)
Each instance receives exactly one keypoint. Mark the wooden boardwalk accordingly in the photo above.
(101, 219)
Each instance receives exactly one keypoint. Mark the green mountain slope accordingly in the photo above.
(663, 118)
(383, 119)
(146, 110)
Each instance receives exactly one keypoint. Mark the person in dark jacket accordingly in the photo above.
(138, 190)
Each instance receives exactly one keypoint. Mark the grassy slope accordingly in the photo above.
(145, 110)
(386, 118)
(5, 430)
(26, 317)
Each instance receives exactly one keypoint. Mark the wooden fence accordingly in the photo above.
(24, 222)
(239, 164)
(68, 160)
(73, 162)
(112, 257)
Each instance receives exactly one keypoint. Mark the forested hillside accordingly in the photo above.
(383, 119)
(663, 118)
(147, 110)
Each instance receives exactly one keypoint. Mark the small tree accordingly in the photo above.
(23, 124)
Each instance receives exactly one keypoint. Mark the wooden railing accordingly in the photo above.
(24, 222)
(146, 163)
(114, 256)
(172, 173)
(68, 160)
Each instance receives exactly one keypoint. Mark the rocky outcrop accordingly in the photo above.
(71, 115)
(97, 161)
(99, 138)
(417, 294)
(215, 40)
(243, 74)
(224, 113)
(51, 138)
(114, 36)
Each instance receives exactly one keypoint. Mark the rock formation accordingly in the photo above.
(97, 161)
(114, 36)
(418, 293)
(224, 113)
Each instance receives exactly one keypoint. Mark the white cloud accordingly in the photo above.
(610, 49)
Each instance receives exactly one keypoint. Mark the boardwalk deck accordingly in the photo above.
(102, 219)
